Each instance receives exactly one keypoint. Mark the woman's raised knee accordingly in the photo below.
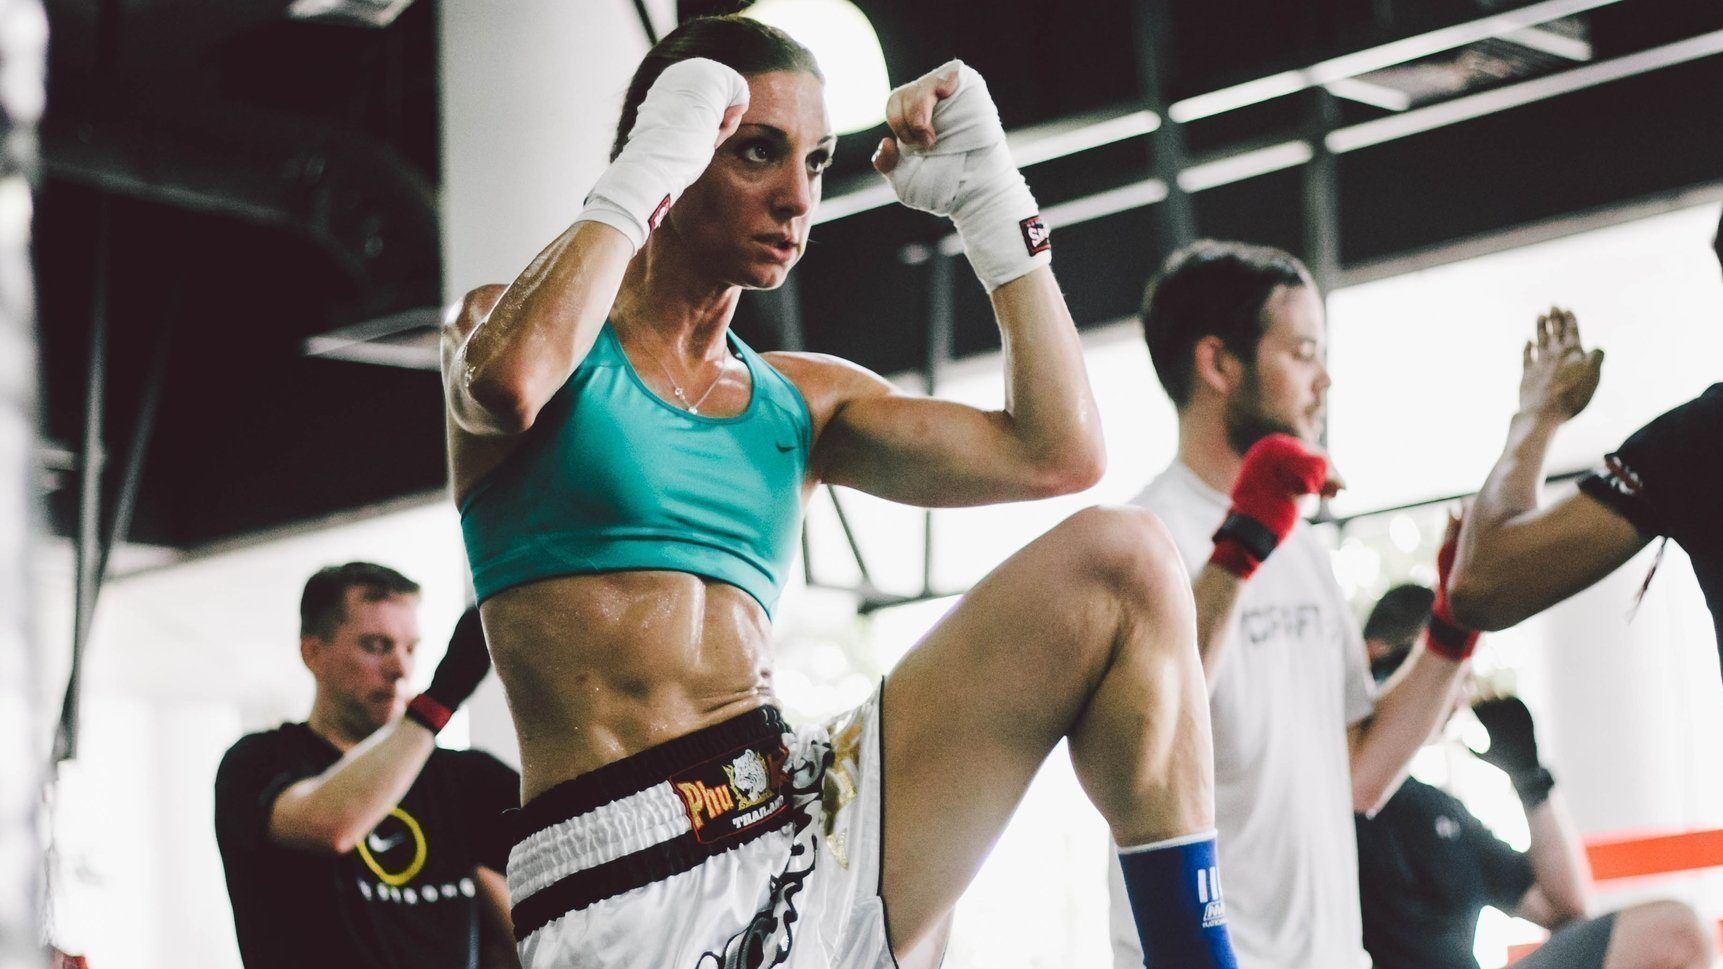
(1125, 551)
(1115, 575)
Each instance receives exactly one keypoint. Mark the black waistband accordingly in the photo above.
(725, 812)
(650, 767)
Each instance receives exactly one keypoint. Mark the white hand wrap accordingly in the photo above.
(668, 148)
(968, 175)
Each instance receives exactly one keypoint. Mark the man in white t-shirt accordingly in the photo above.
(1302, 739)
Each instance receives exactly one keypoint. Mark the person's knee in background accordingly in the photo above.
(1659, 935)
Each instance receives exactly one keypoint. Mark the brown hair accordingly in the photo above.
(740, 43)
(1211, 288)
(323, 605)
(1396, 620)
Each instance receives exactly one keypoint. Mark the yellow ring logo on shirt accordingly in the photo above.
(419, 852)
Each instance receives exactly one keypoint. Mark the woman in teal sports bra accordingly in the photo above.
(631, 478)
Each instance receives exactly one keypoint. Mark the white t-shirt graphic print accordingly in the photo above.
(1292, 678)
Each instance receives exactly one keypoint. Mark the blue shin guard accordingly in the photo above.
(1174, 888)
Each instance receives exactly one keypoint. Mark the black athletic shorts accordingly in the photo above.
(1576, 945)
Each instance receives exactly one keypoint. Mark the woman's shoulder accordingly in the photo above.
(826, 382)
(822, 371)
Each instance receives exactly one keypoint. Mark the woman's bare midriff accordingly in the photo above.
(599, 667)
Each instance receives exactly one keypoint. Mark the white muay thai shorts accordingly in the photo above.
(745, 844)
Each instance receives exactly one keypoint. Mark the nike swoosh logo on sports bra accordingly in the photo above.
(378, 844)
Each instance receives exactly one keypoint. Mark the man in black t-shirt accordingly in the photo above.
(1517, 559)
(352, 839)
(1427, 866)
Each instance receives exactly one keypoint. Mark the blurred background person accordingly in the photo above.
(1427, 866)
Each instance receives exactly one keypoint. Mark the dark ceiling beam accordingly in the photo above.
(1243, 162)
(1111, 127)
(1375, 58)
(1443, 113)
(92, 456)
(1321, 193)
(1175, 218)
(367, 209)
(646, 25)
(234, 541)
(1214, 170)
(406, 339)
(1544, 230)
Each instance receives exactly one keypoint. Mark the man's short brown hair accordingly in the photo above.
(323, 605)
(1217, 288)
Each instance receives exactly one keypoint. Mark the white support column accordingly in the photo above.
(1631, 710)
(23, 740)
(530, 96)
(531, 93)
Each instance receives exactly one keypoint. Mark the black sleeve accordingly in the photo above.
(1507, 873)
(489, 787)
(253, 773)
(1664, 477)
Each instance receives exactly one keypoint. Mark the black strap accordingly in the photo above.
(650, 767)
(1533, 788)
(1448, 635)
(1253, 536)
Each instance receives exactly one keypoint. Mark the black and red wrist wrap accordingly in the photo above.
(1276, 472)
(425, 710)
(1449, 639)
(1241, 544)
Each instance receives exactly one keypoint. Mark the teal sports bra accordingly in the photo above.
(612, 478)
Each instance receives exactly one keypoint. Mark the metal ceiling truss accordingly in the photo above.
(1176, 175)
(1236, 165)
(366, 208)
(1042, 143)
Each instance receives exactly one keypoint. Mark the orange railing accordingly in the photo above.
(1616, 857)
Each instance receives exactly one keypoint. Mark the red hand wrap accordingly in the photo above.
(1445, 637)
(428, 712)
(1277, 471)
